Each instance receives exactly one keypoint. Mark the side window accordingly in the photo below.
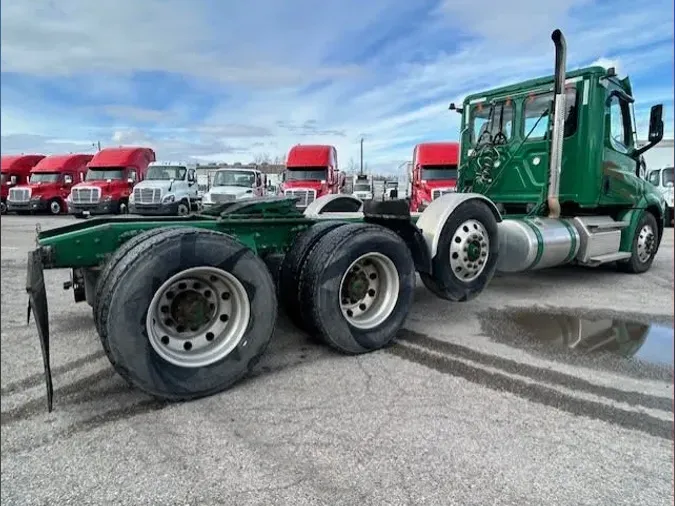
(619, 135)
(536, 114)
(258, 180)
(490, 119)
(191, 175)
(132, 175)
(654, 177)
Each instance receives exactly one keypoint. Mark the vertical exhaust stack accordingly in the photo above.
(558, 115)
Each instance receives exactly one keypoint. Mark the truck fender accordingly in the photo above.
(434, 217)
(333, 203)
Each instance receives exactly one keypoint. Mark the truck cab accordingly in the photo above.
(433, 172)
(111, 175)
(662, 179)
(558, 158)
(169, 188)
(15, 170)
(49, 184)
(363, 187)
(311, 172)
(229, 185)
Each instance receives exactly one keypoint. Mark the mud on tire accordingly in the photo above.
(131, 301)
(357, 285)
(466, 258)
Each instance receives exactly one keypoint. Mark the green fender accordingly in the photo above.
(651, 202)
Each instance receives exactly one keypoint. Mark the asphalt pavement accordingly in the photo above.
(550, 388)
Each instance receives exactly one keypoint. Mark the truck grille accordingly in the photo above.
(305, 197)
(437, 193)
(147, 195)
(19, 194)
(86, 195)
(220, 198)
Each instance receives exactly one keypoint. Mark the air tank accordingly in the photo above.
(536, 243)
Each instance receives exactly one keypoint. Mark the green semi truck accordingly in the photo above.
(185, 306)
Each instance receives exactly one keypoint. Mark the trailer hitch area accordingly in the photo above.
(37, 304)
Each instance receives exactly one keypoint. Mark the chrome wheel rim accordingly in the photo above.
(369, 291)
(645, 243)
(55, 208)
(469, 250)
(198, 316)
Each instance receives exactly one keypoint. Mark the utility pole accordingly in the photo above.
(361, 172)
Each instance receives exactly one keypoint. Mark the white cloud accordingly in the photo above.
(253, 61)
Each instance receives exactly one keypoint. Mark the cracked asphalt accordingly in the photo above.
(462, 410)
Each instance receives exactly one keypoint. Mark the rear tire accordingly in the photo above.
(216, 359)
(357, 285)
(644, 248)
(466, 258)
(289, 277)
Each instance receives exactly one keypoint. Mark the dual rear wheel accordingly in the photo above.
(184, 313)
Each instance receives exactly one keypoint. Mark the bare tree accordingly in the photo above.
(261, 158)
(279, 160)
(351, 166)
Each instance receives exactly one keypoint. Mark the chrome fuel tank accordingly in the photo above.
(535, 243)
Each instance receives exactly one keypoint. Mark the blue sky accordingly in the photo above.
(232, 81)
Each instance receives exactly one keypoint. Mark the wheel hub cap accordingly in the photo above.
(369, 291)
(469, 250)
(198, 316)
(645, 244)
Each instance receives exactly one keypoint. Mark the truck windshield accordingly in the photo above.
(307, 174)
(437, 172)
(165, 173)
(103, 174)
(361, 187)
(667, 176)
(242, 178)
(44, 177)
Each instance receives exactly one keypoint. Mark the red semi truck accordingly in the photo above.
(15, 170)
(311, 172)
(111, 175)
(49, 184)
(434, 172)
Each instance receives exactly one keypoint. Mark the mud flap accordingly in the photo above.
(37, 304)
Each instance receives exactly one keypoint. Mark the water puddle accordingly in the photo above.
(578, 337)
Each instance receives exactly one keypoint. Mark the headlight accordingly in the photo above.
(247, 195)
(35, 198)
(131, 197)
(107, 198)
(69, 198)
(168, 199)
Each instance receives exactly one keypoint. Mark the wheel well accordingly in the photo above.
(659, 219)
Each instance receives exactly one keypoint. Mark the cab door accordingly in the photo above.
(619, 184)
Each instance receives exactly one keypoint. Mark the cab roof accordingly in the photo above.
(310, 155)
(19, 162)
(57, 163)
(524, 86)
(437, 153)
(172, 163)
(121, 156)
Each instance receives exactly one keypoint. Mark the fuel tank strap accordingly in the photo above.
(573, 241)
(540, 243)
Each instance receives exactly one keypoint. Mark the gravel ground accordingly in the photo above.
(470, 408)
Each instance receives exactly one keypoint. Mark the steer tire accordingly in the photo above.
(55, 209)
(633, 265)
(444, 282)
(322, 276)
(113, 261)
(127, 299)
(289, 276)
